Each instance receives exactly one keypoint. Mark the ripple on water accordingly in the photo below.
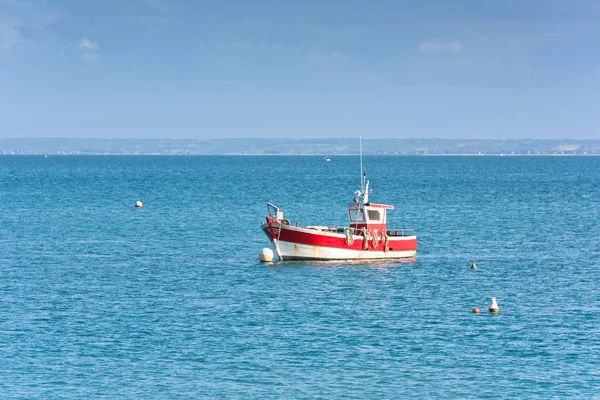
(168, 301)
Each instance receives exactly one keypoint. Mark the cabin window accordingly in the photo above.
(374, 215)
(356, 216)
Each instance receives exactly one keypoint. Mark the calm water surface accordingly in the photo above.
(101, 300)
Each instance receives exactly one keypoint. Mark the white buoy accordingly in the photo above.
(493, 307)
(265, 255)
(138, 204)
(473, 266)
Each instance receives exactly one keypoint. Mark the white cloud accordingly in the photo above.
(91, 57)
(11, 38)
(455, 47)
(87, 44)
(26, 29)
(10, 34)
(88, 48)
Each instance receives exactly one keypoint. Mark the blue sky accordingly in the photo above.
(300, 69)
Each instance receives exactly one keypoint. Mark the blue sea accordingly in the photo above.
(103, 300)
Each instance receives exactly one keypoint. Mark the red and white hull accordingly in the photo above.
(323, 243)
(295, 251)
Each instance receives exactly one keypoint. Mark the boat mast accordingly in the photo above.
(364, 183)
(362, 178)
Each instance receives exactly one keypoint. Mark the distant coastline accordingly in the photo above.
(300, 147)
(289, 155)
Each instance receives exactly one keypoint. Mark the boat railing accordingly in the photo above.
(400, 232)
(355, 231)
(335, 229)
(272, 210)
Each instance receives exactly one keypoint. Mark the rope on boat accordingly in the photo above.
(280, 228)
(273, 240)
(269, 223)
(365, 239)
(374, 238)
(386, 244)
(349, 237)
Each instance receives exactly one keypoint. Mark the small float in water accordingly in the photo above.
(366, 237)
(327, 159)
(266, 255)
(493, 307)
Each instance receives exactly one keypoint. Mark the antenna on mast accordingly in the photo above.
(362, 178)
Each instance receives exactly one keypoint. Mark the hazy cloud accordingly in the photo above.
(245, 44)
(10, 36)
(91, 57)
(87, 44)
(88, 48)
(155, 12)
(22, 30)
(455, 47)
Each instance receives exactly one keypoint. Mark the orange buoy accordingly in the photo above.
(473, 266)
(475, 310)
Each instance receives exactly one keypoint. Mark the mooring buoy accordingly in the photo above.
(265, 255)
(493, 307)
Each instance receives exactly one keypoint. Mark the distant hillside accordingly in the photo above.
(264, 146)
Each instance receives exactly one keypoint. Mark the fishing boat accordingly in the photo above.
(366, 238)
